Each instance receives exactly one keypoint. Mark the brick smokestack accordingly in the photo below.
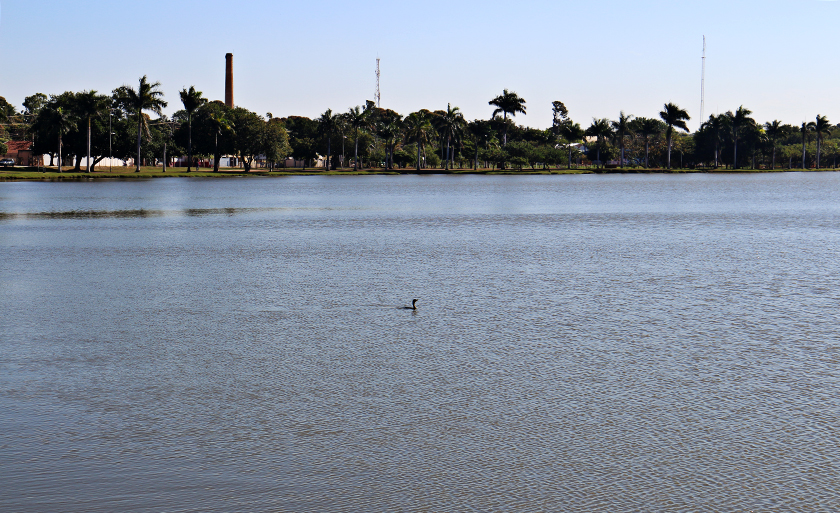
(229, 80)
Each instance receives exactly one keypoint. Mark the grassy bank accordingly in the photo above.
(124, 173)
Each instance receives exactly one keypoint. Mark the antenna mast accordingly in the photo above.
(703, 83)
(376, 96)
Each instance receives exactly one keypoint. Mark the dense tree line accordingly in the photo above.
(78, 124)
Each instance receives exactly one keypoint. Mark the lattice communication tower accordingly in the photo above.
(376, 95)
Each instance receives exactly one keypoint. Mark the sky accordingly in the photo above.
(599, 57)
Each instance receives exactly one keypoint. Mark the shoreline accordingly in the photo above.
(52, 175)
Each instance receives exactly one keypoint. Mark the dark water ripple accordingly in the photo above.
(639, 343)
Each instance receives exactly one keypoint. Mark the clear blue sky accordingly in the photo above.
(776, 57)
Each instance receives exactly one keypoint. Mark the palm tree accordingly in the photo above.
(821, 127)
(326, 126)
(389, 128)
(737, 121)
(647, 127)
(90, 105)
(357, 117)
(507, 103)
(146, 97)
(449, 124)
(673, 116)
(622, 128)
(192, 100)
(572, 133)
(600, 129)
(62, 120)
(806, 127)
(774, 130)
(480, 132)
(418, 126)
(220, 123)
(716, 126)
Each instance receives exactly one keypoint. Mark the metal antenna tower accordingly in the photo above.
(703, 83)
(376, 96)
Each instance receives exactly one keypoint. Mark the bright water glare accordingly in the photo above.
(581, 343)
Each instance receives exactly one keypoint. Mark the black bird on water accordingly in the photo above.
(412, 307)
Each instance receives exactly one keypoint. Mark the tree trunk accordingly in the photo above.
(447, 154)
(59, 149)
(356, 153)
(328, 154)
(669, 151)
(647, 145)
(139, 126)
(189, 143)
(216, 155)
(164, 156)
(88, 147)
(773, 165)
(735, 155)
(418, 155)
(803, 151)
(818, 151)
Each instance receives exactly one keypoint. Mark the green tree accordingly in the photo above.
(571, 133)
(774, 130)
(622, 128)
(449, 125)
(357, 118)
(508, 103)
(326, 127)
(7, 110)
(90, 105)
(738, 123)
(192, 101)
(601, 130)
(247, 134)
(716, 126)
(673, 116)
(805, 130)
(63, 120)
(389, 127)
(647, 128)
(822, 127)
(275, 142)
(146, 97)
(418, 126)
(33, 104)
(480, 133)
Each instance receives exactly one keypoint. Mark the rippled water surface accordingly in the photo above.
(581, 343)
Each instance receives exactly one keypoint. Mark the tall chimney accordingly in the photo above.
(229, 80)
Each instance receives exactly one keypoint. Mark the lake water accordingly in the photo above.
(582, 343)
